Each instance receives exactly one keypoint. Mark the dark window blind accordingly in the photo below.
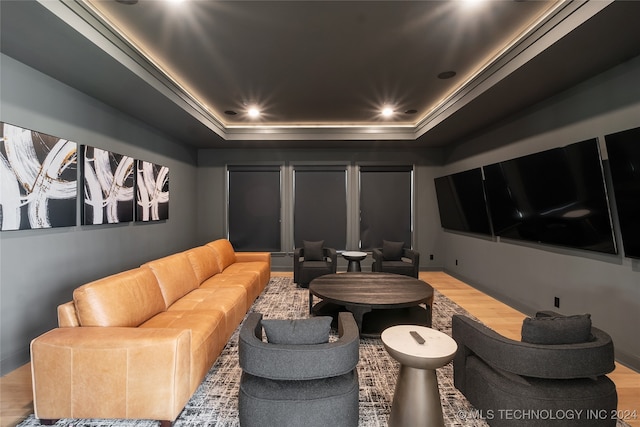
(320, 206)
(385, 205)
(254, 208)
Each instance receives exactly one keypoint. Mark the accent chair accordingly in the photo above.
(313, 260)
(555, 376)
(298, 377)
(393, 257)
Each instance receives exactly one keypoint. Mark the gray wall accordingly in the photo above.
(40, 268)
(529, 276)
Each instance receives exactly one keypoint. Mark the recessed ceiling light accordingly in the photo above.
(446, 75)
(253, 112)
(472, 3)
(387, 111)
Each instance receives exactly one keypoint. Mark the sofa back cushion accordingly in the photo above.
(126, 299)
(225, 253)
(204, 263)
(175, 276)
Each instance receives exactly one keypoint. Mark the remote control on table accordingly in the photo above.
(416, 336)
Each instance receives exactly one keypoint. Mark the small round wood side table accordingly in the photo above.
(416, 401)
(354, 258)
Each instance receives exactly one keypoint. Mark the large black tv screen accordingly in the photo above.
(461, 202)
(555, 197)
(624, 162)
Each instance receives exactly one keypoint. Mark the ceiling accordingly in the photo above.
(320, 71)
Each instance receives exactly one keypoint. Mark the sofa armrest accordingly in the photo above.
(67, 315)
(582, 360)
(105, 372)
(254, 256)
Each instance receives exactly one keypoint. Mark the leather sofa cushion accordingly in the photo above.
(175, 276)
(225, 254)
(124, 299)
(232, 301)
(247, 281)
(207, 339)
(203, 261)
(255, 267)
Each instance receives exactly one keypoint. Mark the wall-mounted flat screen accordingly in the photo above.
(624, 162)
(461, 202)
(555, 197)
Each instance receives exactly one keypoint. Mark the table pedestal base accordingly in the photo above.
(416, 401)
(354, 266)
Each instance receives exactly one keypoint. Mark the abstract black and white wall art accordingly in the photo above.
(152, 191)
(108, 180)
(38, 179)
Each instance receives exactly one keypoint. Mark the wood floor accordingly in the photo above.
(17, 402)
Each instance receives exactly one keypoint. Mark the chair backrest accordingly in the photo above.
(581, 360)
(298, 362)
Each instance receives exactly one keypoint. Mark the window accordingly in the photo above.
(385, 205)
(320, 206)
(274, 208)
(254, 208)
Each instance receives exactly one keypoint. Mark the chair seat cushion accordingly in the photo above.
(318, 403)
(398, 267)
(268, 389)
(492, 390)
(318, 265)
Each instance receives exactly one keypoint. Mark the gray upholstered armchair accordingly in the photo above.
(393, 257)
(313, 260)
(284, 384)
(543, 385)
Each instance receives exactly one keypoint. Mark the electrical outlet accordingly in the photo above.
(556, 302)
(456, 262)
(431, 257)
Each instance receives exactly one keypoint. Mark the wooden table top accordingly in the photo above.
(377, 290)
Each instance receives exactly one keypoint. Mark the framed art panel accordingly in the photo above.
(152, 191)
(38, 179)
(108, 182)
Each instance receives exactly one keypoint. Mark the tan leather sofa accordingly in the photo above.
(137, 344)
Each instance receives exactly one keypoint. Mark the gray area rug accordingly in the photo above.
(215, 401)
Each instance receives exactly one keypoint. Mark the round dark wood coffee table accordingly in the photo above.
(377, 300)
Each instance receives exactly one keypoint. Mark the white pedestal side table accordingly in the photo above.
(416, 401)
(354, 258)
